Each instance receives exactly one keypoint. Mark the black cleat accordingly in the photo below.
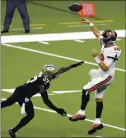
(4, 31)
(95, 128)
(77, 117)
(27, 31)
(11, 133)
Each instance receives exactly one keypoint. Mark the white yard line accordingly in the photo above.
(81, 25)
(42, 42)
(118, 39)
(12, 90)
(81, 41)
(48, 110)
(54, 55)
(38, 95)
(53, 37)
(66, 91)
(32, 28)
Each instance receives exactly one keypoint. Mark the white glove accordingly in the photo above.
(23, 105)
(23, 108)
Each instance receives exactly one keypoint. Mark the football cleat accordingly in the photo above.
(27, 31)
(4, 31)
(77, 117)
(12, 134)
(95, 128)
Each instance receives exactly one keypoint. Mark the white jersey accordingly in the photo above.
(110, 56)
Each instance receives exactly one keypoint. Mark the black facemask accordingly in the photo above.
(109, 40)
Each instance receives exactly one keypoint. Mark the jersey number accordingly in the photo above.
(45, 80)
(34, 78)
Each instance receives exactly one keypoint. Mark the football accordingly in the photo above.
(75, 7)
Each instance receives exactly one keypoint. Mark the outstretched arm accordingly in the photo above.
(92, 26)
(64, 69)
(46, 100)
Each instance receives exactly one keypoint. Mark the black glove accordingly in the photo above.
(77, 64)
(61, 111)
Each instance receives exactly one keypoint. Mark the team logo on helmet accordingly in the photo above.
(109, 36)
(50, 71)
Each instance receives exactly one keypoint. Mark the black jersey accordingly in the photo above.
(31, 87)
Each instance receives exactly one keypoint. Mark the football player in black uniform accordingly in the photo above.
(38, 84)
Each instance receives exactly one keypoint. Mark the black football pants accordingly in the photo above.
(28, 108)
(10, 8)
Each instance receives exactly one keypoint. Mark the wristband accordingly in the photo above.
(91, 24)
(97, 59)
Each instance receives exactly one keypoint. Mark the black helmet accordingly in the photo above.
(109, 36)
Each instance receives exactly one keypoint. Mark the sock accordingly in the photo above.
(97, 121)
(85, 99)
(99, 108)
(81, 112)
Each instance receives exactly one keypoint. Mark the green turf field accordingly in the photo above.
(19, 65)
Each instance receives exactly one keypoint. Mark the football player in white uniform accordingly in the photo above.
(100, 78)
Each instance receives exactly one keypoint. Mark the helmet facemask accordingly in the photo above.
(109, 36)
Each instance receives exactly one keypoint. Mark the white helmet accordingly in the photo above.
(50, 71)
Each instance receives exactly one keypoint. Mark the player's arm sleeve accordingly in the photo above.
(46, 100)
(64, 69)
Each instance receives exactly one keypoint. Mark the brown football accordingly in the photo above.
(76, 7)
